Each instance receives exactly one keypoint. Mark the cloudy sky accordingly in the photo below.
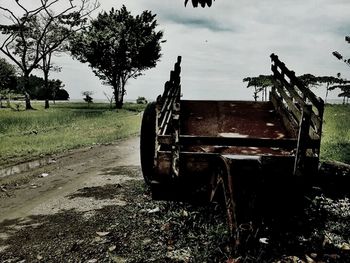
(227, 42)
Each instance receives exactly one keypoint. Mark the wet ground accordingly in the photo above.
(92, 206)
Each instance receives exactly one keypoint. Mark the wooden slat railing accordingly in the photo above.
(168, 116)
(296, 96)
(171, 95)
(301, 111)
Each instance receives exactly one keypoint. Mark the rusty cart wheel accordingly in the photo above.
(147, 141)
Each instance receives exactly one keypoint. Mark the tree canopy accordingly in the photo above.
(118, 46)
(203, 3)
(37, 88)
(260, 84)
(27, 33)
(8, 77)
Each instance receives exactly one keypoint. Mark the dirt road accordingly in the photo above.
(46, 190)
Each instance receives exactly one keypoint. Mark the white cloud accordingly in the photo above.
(229, 41)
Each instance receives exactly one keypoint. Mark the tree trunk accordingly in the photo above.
(47, 105)
(327, 90)
(9, 100)
(122, 93)
(118, 94)
(25, 91)
(255, 94)
(47, 90)
(27, 100)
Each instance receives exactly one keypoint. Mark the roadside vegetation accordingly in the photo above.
(28, 135)
(335, 144)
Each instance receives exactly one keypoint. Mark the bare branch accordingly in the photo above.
(21, 6)
(31, 12)
(7, 40)
(9, 11)
(8, 53)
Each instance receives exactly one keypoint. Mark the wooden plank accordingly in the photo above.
(315, 119)
(164, 126)
(231, 141)
(303, 138)
(288, 120)
(190, 140)
(313, 134)
(168, 99)
(318, 102)
(167, 109)
(296, 112)
(290, 88)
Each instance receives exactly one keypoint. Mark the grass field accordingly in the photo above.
(335, 143)
(30, 134)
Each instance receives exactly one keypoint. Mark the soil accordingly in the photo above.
(93, 206)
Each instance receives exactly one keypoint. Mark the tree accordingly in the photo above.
(25, 39)
(8, 79)
(309, 80)
(87, 97)
(56, 89)
(141, 100)
(37, 89)
(345, 93)
(329, 80)
(344, 86)
(54, 32)
(260, 84)
(61, 94)
(119, 46)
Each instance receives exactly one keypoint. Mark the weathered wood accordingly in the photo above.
(289, 87)
(291, 106)
(191, 140)
(318, 102)
(294, 94)
(316, 122)
(313, 134)
(288, 120)
(315, 112)
(166, 112)
(303, 139)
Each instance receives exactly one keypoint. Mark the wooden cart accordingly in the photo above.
(192, 148)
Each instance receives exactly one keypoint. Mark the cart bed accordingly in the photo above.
(233, 119)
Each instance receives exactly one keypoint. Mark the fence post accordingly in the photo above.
(303, 139)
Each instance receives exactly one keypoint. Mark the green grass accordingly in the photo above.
(30, 134)
(335, 143)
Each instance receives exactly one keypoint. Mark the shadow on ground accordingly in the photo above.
(153, 231)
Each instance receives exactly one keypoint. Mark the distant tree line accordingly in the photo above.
(11, 83)
(262, 83)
